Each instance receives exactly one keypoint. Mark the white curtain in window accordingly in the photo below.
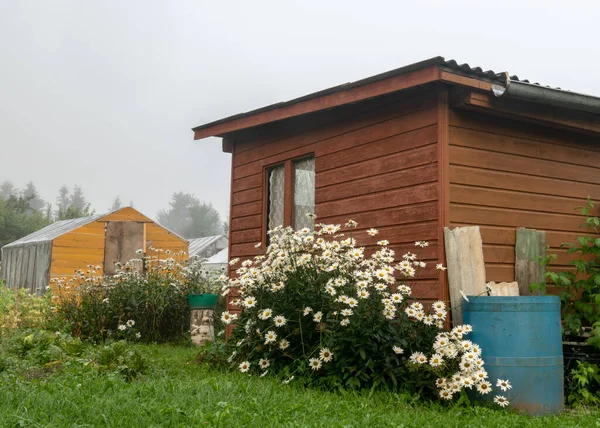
(276, 189)
(304, 192)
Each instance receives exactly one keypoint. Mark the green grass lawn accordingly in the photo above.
(179, 393)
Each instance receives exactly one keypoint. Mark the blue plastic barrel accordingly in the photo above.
(520, 338)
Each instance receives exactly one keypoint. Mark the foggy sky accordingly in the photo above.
(103, 93)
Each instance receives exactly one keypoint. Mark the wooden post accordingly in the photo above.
(201, 326)
(466, 269)
(530, 246)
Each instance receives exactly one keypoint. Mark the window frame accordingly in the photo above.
(288, 193)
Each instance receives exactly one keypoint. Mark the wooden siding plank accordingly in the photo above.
(249, 182)
(470, 195)
(246, 209)
(513, 163)
(395, 216)
(242, 223)
(514, 218)
(522, 182)
(486, 140)
(377, 166)
(246, 196)
(518, 129)
(249, 235)
(388, 181)
(374, 149)
(377, 201)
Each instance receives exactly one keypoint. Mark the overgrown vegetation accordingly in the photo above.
(146, 300)
(18, 309)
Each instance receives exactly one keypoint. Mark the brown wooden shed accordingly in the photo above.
(100, 240)
(415, 149)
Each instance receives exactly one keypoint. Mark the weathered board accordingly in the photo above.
(466, 268)
(123, 239)
(503, 288)
(530, 246)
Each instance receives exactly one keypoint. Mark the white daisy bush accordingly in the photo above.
(322, 309)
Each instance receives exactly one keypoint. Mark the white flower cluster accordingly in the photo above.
(452, 346)
(290, 251)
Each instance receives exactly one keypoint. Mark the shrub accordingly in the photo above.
(19, 309)
(315, 308)
(583, 385)
(146, 300)
(579, 289)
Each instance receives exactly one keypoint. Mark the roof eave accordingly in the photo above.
(416, 74)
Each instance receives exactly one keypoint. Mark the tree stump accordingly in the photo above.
(201, 326)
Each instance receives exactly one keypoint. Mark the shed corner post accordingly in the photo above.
(443, 163)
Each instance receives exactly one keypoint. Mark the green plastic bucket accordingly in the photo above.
(202, 301)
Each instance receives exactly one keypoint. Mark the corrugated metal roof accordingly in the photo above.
(54, 230)
(440, 61)
(222, 257)
(199, 244)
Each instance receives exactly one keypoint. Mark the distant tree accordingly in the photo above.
(72, 205)
(7, 189)
(77, 199)
(190, 218)
(63, 201)
(17, 219)
(116, 204)
(31, 194)
(225, 228)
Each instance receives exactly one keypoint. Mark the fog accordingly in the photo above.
(103, 94)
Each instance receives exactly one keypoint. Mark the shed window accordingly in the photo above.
(276, 196)
(304, 192)
(291, 193)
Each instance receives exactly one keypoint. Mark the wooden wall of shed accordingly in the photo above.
(506, 174)
(76, 250)
(375, 163)
(161, 239)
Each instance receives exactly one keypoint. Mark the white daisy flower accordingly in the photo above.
(283, 344)
(372, 232)
(398, 350)
(265, 314)
(326, 355)
(484, 387)
(307, 311)
(315, 363)
(440, 266)
(501, 401)
(263, 363)
(244, 366)
(279, 321)
(418, 358)
(345, 322)
(436, 360)
(318, 316)
(503, 384)
(249, 302)
(270, 337)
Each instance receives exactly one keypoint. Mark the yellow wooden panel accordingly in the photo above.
(126, 214)
(59, 250)
(76, 258)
